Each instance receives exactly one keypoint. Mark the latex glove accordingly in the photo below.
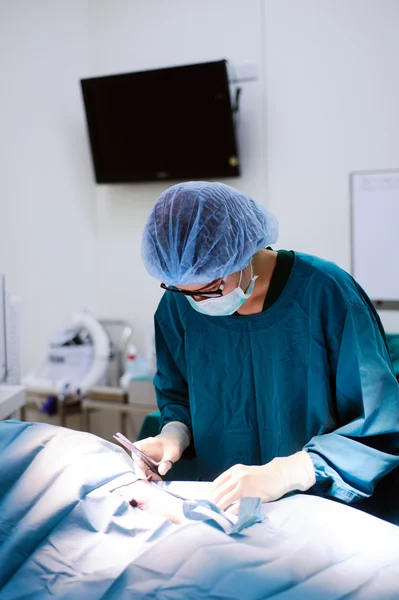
(165, 448)
(268, 482)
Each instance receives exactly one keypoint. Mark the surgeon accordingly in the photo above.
(272, 366)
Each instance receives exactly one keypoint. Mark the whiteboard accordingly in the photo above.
(375, 235)
(3, 360)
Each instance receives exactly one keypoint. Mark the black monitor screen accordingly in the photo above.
(174, 123)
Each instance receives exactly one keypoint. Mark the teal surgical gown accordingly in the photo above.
(312, 372)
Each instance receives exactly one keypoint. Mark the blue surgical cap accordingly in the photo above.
(198, 232)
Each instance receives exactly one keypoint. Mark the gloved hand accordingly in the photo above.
(268, 482)
(165, 448)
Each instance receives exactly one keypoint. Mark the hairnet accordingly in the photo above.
(198, 232)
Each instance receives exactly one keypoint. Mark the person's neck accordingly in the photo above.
(263, 263)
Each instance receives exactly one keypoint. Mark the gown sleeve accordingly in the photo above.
(170, 379)
(351, 460)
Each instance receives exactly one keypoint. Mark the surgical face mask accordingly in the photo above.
(225, 305)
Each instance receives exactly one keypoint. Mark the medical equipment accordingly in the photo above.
(3, 355)
(77, 360)
(10, 336)
(14, 339)
(137, 455)
(137, 368)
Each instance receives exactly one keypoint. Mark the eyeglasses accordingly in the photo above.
(216, 294)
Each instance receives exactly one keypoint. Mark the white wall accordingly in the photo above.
(47, 199)
(325, 104)
(332, 100)
(132, 35)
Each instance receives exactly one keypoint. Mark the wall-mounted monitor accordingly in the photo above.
(175, 123)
